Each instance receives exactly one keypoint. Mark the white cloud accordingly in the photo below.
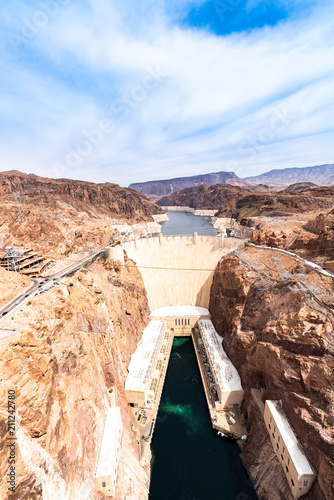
(212, 104)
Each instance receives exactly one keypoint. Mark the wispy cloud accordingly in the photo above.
(177, 99)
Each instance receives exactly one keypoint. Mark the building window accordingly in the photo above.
(282, 457)
(292, 482)
(277, 446)
(182, 321)
(273, 435)
(283, 448)
(103, 484)
(305, 484)
(176, 322)
(288, 461)
(287, 468)
(270, 419)
(269, 426)
(279, 438)
(275, 428)
(188, 321)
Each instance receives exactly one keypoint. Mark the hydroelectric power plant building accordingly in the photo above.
(226, 380)
(149, 362)
(288, 449)
(146, 363)
(106, 471)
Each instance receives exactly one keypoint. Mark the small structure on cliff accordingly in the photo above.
(106, 471)
(288, 449)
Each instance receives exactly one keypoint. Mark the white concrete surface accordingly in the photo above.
(179, 269)
(227, 379)
(106, 471)
(291, 442)
(142, 364)
(183, 311)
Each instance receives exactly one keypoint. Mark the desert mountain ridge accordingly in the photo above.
(318, 174)
(168, 186)
(275, 179)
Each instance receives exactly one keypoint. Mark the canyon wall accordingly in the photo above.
(72, 351)
(276, 319)
(58, 215)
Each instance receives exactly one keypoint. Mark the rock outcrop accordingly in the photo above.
(73, 350)
(312, 239)
(323, 227)
(276, 319)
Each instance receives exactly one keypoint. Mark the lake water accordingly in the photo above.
(187, 223)
(190, 461)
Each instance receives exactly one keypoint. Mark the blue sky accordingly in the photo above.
(130, 91)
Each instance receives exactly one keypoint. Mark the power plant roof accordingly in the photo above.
(225, 373)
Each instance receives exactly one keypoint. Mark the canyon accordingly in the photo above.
(72, 346)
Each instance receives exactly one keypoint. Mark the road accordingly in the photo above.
(42, 285)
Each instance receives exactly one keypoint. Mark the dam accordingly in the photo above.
(177, 272)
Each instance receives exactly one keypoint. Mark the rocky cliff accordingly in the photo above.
(72, 351)
(63, 214)
(276, 204)
(276, 319)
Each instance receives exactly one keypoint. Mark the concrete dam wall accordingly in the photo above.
(178, 270)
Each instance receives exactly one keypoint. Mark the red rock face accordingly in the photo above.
(107, 198)
(61, 215)
(276, 328)
(74, 347)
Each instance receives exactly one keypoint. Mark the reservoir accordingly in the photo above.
(190, 461)
(187, 223)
